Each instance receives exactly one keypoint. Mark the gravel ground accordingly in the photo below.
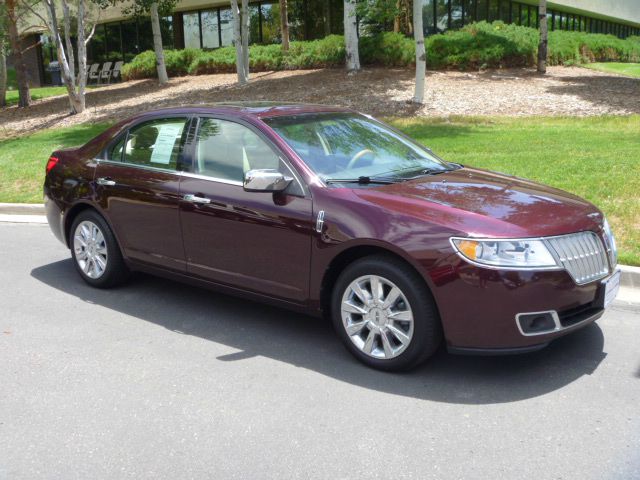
(515, 92)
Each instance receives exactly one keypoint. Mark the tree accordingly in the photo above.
(3, 57)
(284, 25)
(154, 8)
(421, 54)
(24, 97)
(241, 38)
(75, 83)
(542, 46)
(351, 36)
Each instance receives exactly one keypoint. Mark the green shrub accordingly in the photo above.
(478, 45)
(387, 49)
(483, 44)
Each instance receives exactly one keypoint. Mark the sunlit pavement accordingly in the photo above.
(161, 380)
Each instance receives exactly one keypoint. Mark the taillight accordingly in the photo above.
(53, 161)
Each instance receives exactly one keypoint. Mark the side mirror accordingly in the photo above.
(265, 180)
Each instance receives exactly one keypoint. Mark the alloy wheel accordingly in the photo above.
(377, 317)
(90, 249)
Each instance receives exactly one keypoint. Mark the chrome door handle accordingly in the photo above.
(195, 199)
(105, 181)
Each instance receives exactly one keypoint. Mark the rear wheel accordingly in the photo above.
(95, 252)
(384, 314)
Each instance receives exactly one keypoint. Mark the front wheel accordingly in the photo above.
(385, 314)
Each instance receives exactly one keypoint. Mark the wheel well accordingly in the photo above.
(71, 216)
(342, 260)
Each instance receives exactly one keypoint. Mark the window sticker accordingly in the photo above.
(168, 134)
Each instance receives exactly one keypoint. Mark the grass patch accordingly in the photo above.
(630, 69)
(595, 157)
(22, 160)
(36, 93)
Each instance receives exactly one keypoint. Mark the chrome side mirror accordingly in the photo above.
(265, 180)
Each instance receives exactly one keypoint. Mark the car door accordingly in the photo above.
(256, 241)
(138, 187)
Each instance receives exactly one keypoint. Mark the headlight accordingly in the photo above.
(610, 240)
(521, 253)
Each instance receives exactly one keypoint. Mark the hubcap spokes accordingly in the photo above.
(90, 249)
(377, 317)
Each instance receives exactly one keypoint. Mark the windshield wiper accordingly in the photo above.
(365, 180)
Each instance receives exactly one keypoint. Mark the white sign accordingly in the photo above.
(168, 134)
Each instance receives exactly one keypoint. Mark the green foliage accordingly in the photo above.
(629, 69)
(478, 45)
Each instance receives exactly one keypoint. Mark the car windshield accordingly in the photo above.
(351, 147)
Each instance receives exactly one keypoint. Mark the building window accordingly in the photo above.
(209, 24)
(191, 26)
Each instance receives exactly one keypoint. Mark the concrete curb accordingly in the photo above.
(21, 209)
(34, 213)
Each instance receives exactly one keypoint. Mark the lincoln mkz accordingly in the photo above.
(328, 211)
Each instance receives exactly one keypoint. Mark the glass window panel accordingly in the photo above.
(254, 24)
(129, 40)
(228, 150)
(145, 34)
(503, 14)
(442, 15)
(271, 23)
(296, 14)
(427, 17)
(156, 143)
(114, 50)
(482, 7)
(191, 27)
(493, 10)
(456, 13)
(166, 29)
(226, 26)
(210, 38)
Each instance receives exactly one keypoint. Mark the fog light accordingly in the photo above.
(537, 323)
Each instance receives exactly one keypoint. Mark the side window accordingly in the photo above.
(114, 152)
(157, 143)
(227, 150)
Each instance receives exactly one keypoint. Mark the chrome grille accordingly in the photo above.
(582, 254)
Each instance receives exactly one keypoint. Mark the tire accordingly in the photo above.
(380, 334)
(99, 261)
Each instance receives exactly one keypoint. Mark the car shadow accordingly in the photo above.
(306, 342)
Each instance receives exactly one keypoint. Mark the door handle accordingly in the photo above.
(105, 181)
(195, 199)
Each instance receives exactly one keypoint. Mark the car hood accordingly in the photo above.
(483, 203)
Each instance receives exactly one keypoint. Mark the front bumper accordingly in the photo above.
(479, 307)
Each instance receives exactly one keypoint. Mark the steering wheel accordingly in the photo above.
(356, 158)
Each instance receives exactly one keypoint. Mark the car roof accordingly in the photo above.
(258, 109)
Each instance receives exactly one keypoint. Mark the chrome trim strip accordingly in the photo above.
(320, 221)
(556, 319)
(554, 315)
(211, 179)
(139, 167)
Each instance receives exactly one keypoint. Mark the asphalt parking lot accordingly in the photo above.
(162, 380)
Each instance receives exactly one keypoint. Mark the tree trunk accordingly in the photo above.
(75, 105)
(351, 36)
(237, 42)
(542, 46)
(24, 97)
(3, 74)
(245, 37)
(82, 56)
(396, 18)
(284, 25)
(421, 55)
(163, 78)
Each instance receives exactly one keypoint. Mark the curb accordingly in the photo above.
(21, 209)
(34, 213)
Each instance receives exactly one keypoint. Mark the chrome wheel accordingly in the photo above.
(377, 317)
(90, 249)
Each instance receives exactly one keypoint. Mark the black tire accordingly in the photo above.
(427, 329)
(116, 271)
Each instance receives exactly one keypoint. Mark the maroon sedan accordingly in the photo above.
(325, 210)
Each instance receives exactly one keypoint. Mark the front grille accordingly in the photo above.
(582, 254)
